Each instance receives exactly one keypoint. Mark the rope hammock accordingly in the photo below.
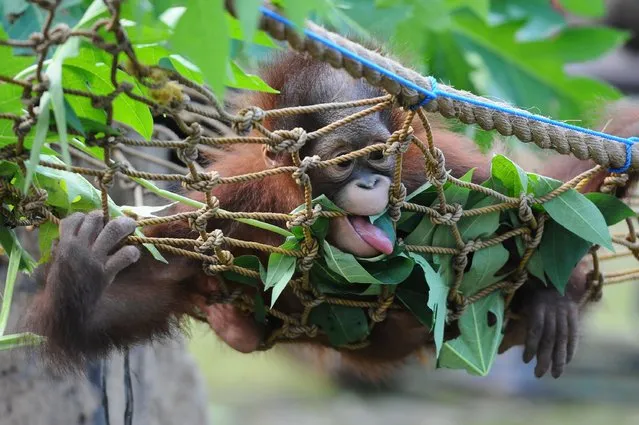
(462, 216)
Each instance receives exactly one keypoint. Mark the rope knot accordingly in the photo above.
(106, 180)
(613, 182)
(189, 153)
(378, 314)
(399, 142)
(525, 207)
(200, 223)
(310, 250)
(60, 34)
(37, 38)
(396, 202)
(300, 175)
(460, 261)
(246, 119)
(453, 214)
(214, 240)
(23, 126)
(436, 168)
(287, 140)
(302, 219)
(202, 182)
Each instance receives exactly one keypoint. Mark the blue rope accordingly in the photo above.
(434, 93)
(626, 165)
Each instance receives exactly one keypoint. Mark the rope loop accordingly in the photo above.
(432, 95)
(106, 180)
(453, 214)
(214, 240)
(310, 250)
(246, 119)
(525, 207)
(190, 153)
(59, 34)
(460, 261)
(436, 168)
(300, 175)
(630, 142)
(302, 219)
(396, 201)
(399, 142)
(200, 223)
(202, 182)
(288, 141)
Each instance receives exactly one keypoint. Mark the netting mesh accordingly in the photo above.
(164, 97)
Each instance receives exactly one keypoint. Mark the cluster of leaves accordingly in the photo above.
(79, 65)
(421, 282)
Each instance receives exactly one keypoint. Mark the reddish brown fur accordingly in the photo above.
(167, 291)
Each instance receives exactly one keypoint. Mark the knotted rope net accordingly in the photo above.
(437, 206)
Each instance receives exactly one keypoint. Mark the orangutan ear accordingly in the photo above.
(274, 160)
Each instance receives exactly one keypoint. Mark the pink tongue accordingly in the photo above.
(372, 235)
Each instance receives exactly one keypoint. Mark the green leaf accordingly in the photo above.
(423, 195)
(185, 68)
(423, 234)
(72, 118)
(391, 271)
(413, 293)
(485, 265)
(96, 78)
(280, 270)
(320, 228)
(207, 19)
(535, 265)
(54, 72)
(476, 348)
(600, 40)
(470, 228)
(79, 79)
(10, 342)
(11, 63)
(248, 12)
(10, 280)
(346, 265)
(10, 98)
(250, 262)
(67, 190)
(260, 308)
(575, 212)
(298, 11)
(9, 241)
(612, 208)
(42, 126)
(480, 7)
(529, 74)
(561, 251)
(47, 233)
(94, 11)
(514, 179)
(241, 80)
(590, 8)
(343, 325)
(437, 299)
(456, 194)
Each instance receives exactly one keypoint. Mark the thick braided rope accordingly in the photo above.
(412, 89)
